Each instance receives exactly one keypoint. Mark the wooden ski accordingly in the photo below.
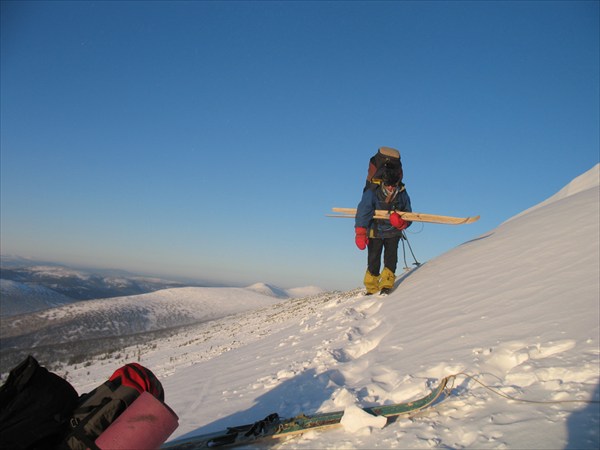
(274, 427)
(348, 213)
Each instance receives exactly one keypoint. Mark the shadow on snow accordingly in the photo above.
(583, 426)
(304, 393)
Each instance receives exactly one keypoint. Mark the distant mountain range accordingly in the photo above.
(27, 286)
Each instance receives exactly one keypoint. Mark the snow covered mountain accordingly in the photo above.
(517, 308)
(93, 320)
(27, 286)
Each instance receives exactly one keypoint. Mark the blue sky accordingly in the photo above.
(209, 139)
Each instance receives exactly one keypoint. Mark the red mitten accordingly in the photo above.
(397, 221)
(361, 238)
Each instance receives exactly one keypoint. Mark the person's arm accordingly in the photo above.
(363, 219)
(365, 210)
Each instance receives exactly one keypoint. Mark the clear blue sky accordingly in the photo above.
(209, 139)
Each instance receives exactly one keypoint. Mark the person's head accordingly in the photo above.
(390, 178)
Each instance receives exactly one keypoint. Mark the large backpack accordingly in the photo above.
(35, 407)
(386, 162)
(99, 408)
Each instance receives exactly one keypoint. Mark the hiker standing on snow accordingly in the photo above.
(382, 236)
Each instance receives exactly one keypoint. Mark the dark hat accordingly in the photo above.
(390, 176)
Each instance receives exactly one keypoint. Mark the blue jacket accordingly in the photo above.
(373, 199)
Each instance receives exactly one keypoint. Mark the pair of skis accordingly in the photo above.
(347, 213)
(274, 427)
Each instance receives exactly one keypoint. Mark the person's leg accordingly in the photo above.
(375, 248)
(390, 261)
(390, 253)
(371, 280)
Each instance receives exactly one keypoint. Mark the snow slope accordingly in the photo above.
(517, 307)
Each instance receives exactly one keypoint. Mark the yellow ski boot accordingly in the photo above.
(386, 283)
(371, 283)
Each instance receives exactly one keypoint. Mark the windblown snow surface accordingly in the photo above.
(517, 308)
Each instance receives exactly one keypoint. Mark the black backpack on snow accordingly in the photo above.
(35, 407)
(386, 166)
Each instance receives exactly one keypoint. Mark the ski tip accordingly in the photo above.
(340, 216)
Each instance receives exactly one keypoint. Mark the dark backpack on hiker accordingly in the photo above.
(386, 166)
(96, 410)
(35, 407)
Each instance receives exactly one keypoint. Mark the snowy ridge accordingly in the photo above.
(517, 307)
(127, 315)
(266, 289)
(585, 181)
(274, 291)
(59, 272)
